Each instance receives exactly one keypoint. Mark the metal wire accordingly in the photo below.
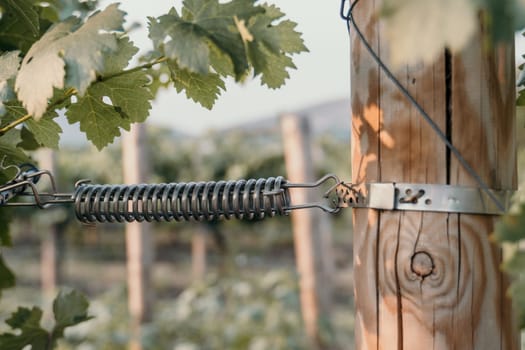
(350, 22)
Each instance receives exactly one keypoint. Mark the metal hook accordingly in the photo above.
(29, 179)
(329, 209)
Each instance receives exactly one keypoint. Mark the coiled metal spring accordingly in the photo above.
(202, 201)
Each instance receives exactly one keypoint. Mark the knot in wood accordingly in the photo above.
(422, 264)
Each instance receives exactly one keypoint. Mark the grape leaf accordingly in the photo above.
(186, 38)
(111, 104)
(5, 239)
(115, 62)
(100, 121)
(421, 29)
(27, 140)
(67, 46)
(520, 101)
(188, 42)
(272, 67)
(28, 322)
(19, 25)
(511, 227)
(9, 63)
(10, 154)
(204, 89)
(70, 309)
(277, 37)
(46, 132)
(7, 278)
(128, 94)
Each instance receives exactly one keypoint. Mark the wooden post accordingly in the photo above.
(431, 280)
(198, 252)
(139, 243)
(313, 254)
(50, 252)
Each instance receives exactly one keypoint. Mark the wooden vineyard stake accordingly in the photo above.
(139, 243)
(198, 253)
(314, 259)
(50, 250)
(427, 280)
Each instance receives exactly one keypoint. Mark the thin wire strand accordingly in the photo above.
(350, 22)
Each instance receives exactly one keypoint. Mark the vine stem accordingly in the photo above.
(134, 69)
(70, 92)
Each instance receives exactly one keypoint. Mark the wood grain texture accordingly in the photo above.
(430, 280)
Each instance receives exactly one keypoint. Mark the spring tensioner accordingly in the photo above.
(251, 199)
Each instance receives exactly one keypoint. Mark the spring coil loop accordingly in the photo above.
(202, 201)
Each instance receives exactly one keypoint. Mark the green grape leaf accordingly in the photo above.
(517, 290)
(115, 62)
(70, 309)
(128, 94)
(272, 67)
(27, 140)
(511, 227)
(221, 62)
(9, 61)
(278, 38)
(7, 278)
(111, 104)
(45, 132)
(68, 54)
(421, 29)
(11, 154)
(188, 45)
(100, 121)
(27, 321)
(504, 18)
(186, 38)
(520, 101)
(204, 89)
(5, 240)
(19, 25)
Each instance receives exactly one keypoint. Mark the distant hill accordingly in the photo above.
(329, 117)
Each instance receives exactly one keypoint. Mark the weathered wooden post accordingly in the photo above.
(314, 259)
(139, 243)
(198, 252)
(50, 252)
(426, 280)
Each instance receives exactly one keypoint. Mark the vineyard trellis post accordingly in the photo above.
(50, 251)
(425, 279)
(139, 241)
(198, 252)
(314, 259)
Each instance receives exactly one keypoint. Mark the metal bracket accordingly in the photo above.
(422, 197)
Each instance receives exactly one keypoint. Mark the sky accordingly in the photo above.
(323, 74)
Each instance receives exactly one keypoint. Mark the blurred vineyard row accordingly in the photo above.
(248, 298)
